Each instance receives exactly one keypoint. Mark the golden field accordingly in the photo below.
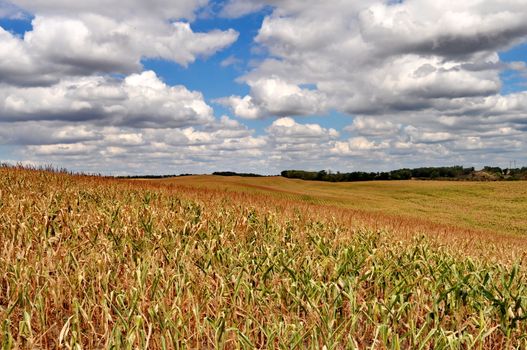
(498, 207)
(242, 263)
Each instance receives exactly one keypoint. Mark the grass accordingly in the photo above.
(88, 262)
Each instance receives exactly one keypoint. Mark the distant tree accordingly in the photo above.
(321, 175)
(493, 170)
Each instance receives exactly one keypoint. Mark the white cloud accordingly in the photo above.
(243, 107)
(305, 145)
(164, 9)
(447, 28)
(357, 146)
(368, 126)
(140, 100)
(231, 61)
(420, 136)
(44, 133)
(239, 8)
(67, 149)
(287, 128)
(65, 43)
(280, 98)
(275, 97)
(376, 57)
(223, 144)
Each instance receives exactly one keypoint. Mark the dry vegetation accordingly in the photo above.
(497, 207)
(89, 262)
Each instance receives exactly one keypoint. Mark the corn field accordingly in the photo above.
(90, 262)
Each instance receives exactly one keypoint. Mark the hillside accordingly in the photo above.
(497, 207)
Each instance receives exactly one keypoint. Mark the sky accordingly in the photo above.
(196, 86)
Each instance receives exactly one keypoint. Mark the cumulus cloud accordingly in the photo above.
(376, 56)
(447, 29)
(59, 149)
(45, 133)
(357, 147)
(306, 145)
(368, 126)
(419, 136)
(275, 97)
(243, 107)
(401, 68)
(140, 100)
(79, 40)
(289, 131)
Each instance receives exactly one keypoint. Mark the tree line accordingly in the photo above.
(451, 172)
(232, 173)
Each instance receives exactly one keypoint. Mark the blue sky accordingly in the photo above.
(512, 80)
(253, 86)
(208, 75)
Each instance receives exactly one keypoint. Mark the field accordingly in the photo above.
(497, 207)
(213, 262)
